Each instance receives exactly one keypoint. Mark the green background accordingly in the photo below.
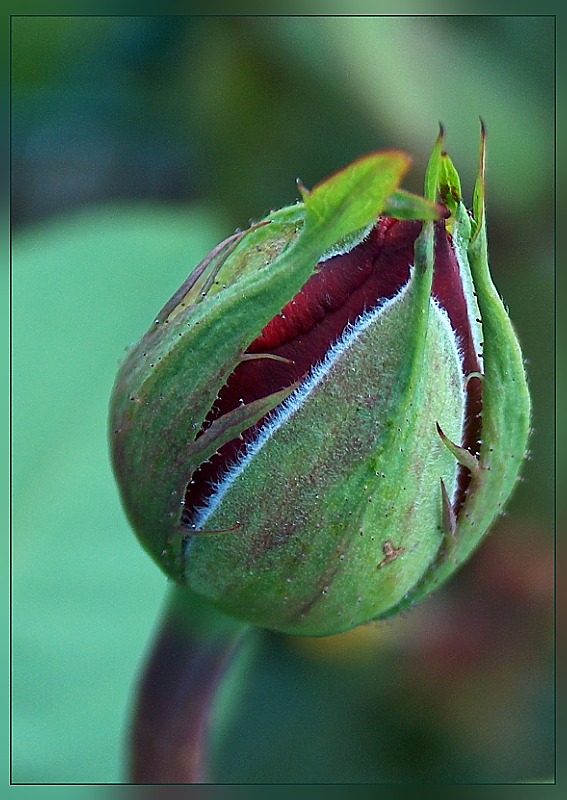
(137, 144)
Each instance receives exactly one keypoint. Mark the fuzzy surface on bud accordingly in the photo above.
(324, 421)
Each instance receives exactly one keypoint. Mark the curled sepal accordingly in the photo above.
(463, 456)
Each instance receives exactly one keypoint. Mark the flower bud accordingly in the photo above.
(325, 419)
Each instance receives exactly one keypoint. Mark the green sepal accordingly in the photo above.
(336, 520)
(434, 168)
(345, 541)
(506, 410)
(449, 186)
(171, 379)
(462, 455)
(351, 198)
(405, 205)
(506, 403)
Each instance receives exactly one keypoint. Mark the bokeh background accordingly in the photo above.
(137, 144)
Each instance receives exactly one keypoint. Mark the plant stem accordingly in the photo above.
(195, 652)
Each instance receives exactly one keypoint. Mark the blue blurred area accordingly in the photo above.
(91, 121)
(138, 142)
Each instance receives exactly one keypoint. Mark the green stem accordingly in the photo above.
(195, 653)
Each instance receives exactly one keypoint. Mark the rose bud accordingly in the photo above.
(323, 422)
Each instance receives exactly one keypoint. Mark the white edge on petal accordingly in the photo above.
(286, 410)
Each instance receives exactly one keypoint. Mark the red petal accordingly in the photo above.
(342, 288)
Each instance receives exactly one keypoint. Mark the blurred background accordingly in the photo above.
(137, 144)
